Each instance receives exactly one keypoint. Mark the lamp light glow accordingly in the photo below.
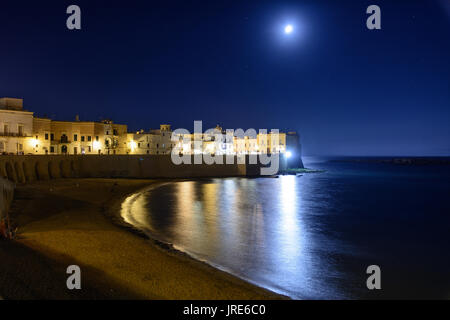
(288, 154)
(34, 143)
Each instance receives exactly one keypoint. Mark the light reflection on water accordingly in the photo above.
(306, 237)
(250, 227)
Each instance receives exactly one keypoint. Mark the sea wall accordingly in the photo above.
(6, 196)
(30, 168)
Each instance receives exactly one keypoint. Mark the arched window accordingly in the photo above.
(64, 138)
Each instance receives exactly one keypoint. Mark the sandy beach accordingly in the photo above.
(69, 222)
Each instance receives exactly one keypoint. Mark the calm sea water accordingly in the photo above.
(314, 236)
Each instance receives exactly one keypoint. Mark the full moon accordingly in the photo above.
(288, 29)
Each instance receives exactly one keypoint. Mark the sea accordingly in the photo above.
(315, 235)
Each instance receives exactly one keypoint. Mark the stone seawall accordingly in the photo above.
(29, 168)
(6, 196)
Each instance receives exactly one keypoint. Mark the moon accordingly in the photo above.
(288, 29)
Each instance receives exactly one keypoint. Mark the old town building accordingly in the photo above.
(16, 125)
(22, 133)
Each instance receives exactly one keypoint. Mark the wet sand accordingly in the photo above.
(74, 222)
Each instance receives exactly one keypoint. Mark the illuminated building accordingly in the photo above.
(237, 142)
(23, 133)
(156, 141)
(16, 126)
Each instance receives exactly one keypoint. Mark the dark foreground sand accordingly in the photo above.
(65, 222)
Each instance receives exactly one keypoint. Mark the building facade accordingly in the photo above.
(22, 133)
(156, 141)
(78, 137)
(162, 141)
(237, 142)
(16, 126)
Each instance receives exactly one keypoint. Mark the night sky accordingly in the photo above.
(346, 89)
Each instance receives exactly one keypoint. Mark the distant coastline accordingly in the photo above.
(398, 160)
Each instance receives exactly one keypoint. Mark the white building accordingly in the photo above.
(16, 127)
(156, 141)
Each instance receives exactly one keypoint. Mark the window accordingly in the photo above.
(20, 129)
(89, 138)
(52, 149)
(75, 137)
(75, 150)
(96, 138)
(115, 132)
(89, 148)
(82, 138)
(2, 146)
(46, 136)
(64, 139)
(5, 129)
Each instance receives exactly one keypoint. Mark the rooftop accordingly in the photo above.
(11, 104)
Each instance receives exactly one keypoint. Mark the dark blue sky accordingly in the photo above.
(346, 89)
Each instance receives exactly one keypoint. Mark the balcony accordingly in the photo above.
(14, 134)
(61, 141)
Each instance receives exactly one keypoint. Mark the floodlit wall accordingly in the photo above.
(6, 196)
(30, 168)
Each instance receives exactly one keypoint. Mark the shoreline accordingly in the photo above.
(79, 221)
(115, 214)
